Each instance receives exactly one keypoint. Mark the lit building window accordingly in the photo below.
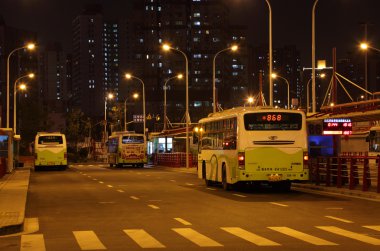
(197, 23)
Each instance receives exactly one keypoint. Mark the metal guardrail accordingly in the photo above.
(174, 159)
(351, 172)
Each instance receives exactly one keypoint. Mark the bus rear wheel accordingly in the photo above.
(225, 185)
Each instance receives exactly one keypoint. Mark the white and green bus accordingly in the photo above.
(50, 150)
(253, 145)
(127, 148)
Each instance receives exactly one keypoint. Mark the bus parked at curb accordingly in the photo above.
(50, 150)
(253, 145)
(127, 148)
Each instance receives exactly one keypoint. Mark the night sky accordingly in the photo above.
(337, 21)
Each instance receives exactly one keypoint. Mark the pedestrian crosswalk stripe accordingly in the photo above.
(31, 225)
(87, 240)
(32, 242)
(251, 237)
(143, 239)
(302, 236)
(338, 219)
(184, 222)
(377, 228)
(197, 238)
(352, 235)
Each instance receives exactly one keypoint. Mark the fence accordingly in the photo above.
(174, 159)
(350, 172)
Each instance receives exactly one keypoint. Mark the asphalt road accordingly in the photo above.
(100, 208)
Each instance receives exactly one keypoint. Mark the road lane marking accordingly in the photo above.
(143, 239)
(32, 242)
(153, 206)
(209, 188)
(184, 222)
(377, 228)
(87, 240)
(197, 238)
(250, 237)
(239, 195)
(278, 204)
(189, 184)
(338, 219)
(334, 208)
(110, 186)
(134, 197)
(101, 182)
(95, 179)
(349, 234)
(302, 236)
(172, 180)
(120, 191)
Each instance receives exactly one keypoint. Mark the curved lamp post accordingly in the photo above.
(270, 55)
(179, 76)
(129, 76)
(313, 94)
(274, 75)
(307, 92)
(29, 46)
(167, 47)
(231, 48)
(365, 46)
(135, 96)
(21, 87)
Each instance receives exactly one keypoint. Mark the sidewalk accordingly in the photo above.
(13, 193)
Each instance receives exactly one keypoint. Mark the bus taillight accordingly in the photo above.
(305, 159)
(241, 160)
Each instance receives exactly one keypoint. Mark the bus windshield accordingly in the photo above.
(132, 139)
(273, 121)
(47, 140)
(374, 143)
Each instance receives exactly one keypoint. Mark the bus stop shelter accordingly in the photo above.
(6, 150)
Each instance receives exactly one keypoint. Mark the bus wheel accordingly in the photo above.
(119, 165)
(225, 185)
(207, 182)
(111, 165)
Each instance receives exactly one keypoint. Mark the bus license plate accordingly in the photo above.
(274, 177)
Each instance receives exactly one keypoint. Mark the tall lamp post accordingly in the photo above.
(179, 76)
(270, 55)
(365, 46)
(232, 48)
(135, 96)
(129, 76)
(29, 46)
(287, 82)
(167, 47)
(313, 94)
(109, 96)
(22, 87)
(307, 92)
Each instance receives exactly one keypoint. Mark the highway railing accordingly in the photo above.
(352, 172)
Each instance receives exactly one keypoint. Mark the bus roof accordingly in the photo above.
(41, 133)
(233, 112)
(126, 133)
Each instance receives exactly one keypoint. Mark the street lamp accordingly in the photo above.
(250, 101)
(167, 47)
(274, 75)
(365, 46)
(21, 87)
(129, 76)
(179, 76)
(270, 55)
(307, 91)
(29, 46)
(135, 96)
(110, 96)
(232, 48)
(313, 94)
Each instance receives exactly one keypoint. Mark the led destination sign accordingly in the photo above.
(337, 126)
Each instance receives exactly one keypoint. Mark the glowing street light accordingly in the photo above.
(29, 46)
(250, 101)
(274, 75)
(129, 76)
(167, 47)
(110, 96)
(179, 76)
(365, 46)
(135, 96)
(21, 87)
(231, 48)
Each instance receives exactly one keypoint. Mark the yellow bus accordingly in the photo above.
(50, 150)
(127, 148)
(253, 145)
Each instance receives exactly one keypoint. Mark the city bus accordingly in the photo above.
(374, 141)
(127, 148)
(253, 145)
(50, 150)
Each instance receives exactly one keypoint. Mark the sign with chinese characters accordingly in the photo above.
(138, 118)
(337, 126)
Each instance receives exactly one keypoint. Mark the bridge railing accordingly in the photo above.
(352, 172)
